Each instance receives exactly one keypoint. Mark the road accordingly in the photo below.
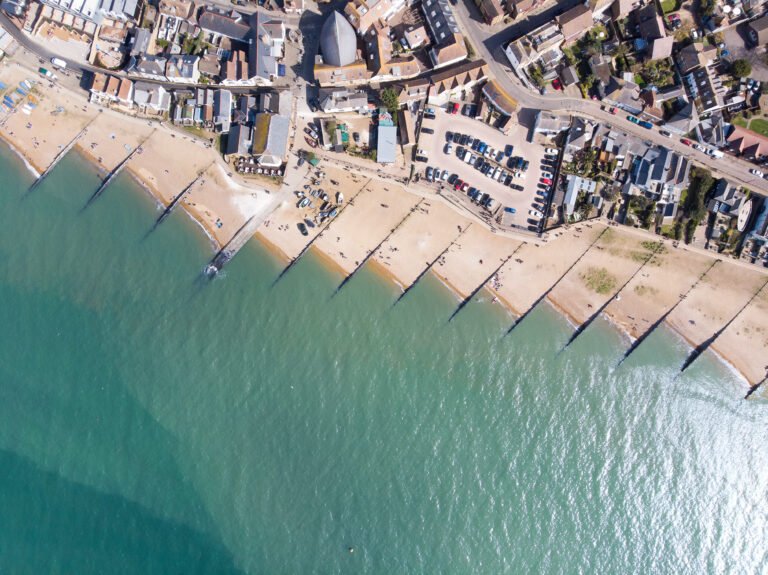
(490, 48)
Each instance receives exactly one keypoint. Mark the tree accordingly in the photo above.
(588, 82)
(390, 100)
(690, 229)
(741, 68)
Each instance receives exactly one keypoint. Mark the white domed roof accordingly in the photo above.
(338, 42)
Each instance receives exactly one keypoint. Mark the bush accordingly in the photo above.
(741, 68)
(599, 280)
(690, 229)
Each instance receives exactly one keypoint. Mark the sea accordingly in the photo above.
(154, 421)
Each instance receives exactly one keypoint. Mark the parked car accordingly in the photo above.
(508, 149)
(546, 181)
(535, 214)
(547, 175)
(452, 178)
(430, 174)
(516, 187)
(428, 130)
(552, 151)
(454, 108)
(303, 229)
(499, 155)
(755, 172)
(686, 141)
(510, 210)
(456, 138)
(448, 148)
(445, 175)
(457, 184)
(665, 133)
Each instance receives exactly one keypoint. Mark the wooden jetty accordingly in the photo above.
(704, 346)
(663, 318)
(230, 249)
(601, 309)
(544, 296)
(115, 172)
(376, 249)
(431, 264)
(63, 152)
(471, 296)
(306, 248)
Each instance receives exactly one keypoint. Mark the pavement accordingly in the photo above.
(491, 49)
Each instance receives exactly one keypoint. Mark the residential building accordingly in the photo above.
(758, 31)
(492, 11)
(518, 8)
(456, 81)
(660, 175)
(705, 89)
(261, 36)
(575, 186)
(569, 76)
(542, 45)
(336, 101)
(270, 139)
(222, 110)
(661, 48)
(407, 125)
(621, 8)
(382, 65)
(150, 67)
(747, 143)
(729, 202)
(550, 124)
(575, 22)
(695, 55)
(650, 22)
(416, 36)
(183, 69)
(124, 96)
(448, 46)
(364, 14)
(151, 99)
(182, 9)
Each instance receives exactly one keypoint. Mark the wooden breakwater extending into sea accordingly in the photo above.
(169, 208)
(116, 171)
(63, 152)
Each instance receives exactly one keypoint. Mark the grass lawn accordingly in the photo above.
(759, 125)
(668, 6)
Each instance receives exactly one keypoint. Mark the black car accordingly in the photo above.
(456, 138)
(448, 136)
(517, 187)
(452, 178)
(464, 139)
(303, 229)
(421, 159)
(428, 130)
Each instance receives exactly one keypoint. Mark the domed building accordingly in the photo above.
(339, 62)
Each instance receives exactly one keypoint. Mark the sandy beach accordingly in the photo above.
(222, 202)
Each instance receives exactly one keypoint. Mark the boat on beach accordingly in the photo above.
(339, 198)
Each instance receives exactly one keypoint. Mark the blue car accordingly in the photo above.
(508, 149)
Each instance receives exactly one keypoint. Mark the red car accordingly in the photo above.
(458, 184)
(556, 84)
(455, 108)
(465, 187)
(546, 181)
(686, 141)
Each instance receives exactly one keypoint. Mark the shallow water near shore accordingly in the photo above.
(155, 422)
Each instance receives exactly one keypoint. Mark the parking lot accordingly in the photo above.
(503, 195)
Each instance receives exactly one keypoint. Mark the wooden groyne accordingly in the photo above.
(115, 172)
(704, 346)
(601, 309)
(755, 387)
(169, 208)
(63, 152)
(376, 249)
(431, 264)
(471, 296)
(544, 296)
(305, 249)
(663, 318)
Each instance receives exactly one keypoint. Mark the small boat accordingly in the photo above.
(304, 202)
(334, 213)
(339, 198)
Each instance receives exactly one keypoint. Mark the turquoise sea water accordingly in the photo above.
(155, 423)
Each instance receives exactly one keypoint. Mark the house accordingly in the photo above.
(662, 48)
(270, 139)
(518, 8)
(758, 31)
(151, 99)
(501, 103)
(600, 65)
(363, 14)
(661, 175)
(222, 110)
(239, 140)
(650, 23)
(549, 124)
(150, 67)
(711, 130)
(492, 11)
(383, 65)
(182, 9)
(183, 69)
(705, 89)
(335, 101)
(569, 76)
(575, 22)
(694, 55)
(456, 80)
(685, 119)
(124, 94)
(575, 186)
(626, 95)
(416, 36)
(728, 202)
(540, 45)
(579, 137)
(96, 10)
(140, 42)
(123, 10)
(448, 46)
(407, 125)
(747, 143)
(386, 139)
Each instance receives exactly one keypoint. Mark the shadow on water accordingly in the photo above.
(66, 542)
